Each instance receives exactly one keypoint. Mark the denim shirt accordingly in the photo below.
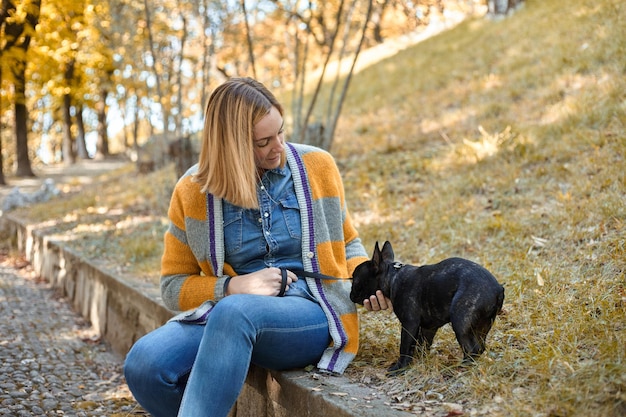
(270, 236)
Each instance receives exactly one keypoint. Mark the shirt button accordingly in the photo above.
(260, 220)
(266, 214)
(310, 255)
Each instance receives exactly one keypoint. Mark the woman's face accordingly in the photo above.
(269, 140)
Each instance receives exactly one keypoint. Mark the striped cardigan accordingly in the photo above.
(193, 271)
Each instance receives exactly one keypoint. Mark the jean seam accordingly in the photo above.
(291, 329)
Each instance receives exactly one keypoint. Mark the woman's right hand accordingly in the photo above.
(263, 282)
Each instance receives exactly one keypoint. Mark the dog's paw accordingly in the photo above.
(400, 367)
(469, 360)
(393, 371)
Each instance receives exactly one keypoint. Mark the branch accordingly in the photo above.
(330, 51)
(333, 126)
(248, 38)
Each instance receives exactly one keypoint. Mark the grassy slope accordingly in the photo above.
(501, 141)
(504, 142)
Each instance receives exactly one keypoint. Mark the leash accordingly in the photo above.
(302, 272)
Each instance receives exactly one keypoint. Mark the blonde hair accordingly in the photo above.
(226, 166)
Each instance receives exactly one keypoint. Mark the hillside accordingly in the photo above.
(504, 142)
(500, 141)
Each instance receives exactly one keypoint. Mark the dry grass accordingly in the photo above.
(504, 142)
(500, 141)
(118, 222)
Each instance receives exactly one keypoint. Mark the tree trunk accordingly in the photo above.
(165, 113)
(4, 13)
(377, 18)
(306, 129)
(69, 157)
(24, 168)
(102, 145)
(248, 38)
(21, 141)
(125, 138)
(330, 45)
(332, 123)
(208, 52)
(81, 145)
(179, 73)
(136, 127)
(17, 36)
(2, 180)
(501, 7)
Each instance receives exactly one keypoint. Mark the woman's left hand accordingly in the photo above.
(378, 302)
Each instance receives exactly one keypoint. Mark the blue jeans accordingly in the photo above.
(209, 363)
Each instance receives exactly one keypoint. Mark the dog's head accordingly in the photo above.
(369, 276)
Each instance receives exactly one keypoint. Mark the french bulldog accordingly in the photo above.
(425, 298)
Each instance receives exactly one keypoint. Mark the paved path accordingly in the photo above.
(51, 362)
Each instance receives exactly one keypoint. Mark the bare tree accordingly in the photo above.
(248, 38)
(319, 30)
(167, 56)
(209, 34)
(153, 63)
(336, 102)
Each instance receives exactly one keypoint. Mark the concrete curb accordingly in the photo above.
(121, 313)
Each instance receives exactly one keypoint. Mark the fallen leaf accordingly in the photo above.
(540, 281)
(539, 241)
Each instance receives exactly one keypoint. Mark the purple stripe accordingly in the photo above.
(211, 221)
(201, 319)
(314, 263)
(309, 205)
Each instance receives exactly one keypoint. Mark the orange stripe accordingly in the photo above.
(351, 325)
(195, 290)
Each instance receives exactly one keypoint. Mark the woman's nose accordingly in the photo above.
(280, 142)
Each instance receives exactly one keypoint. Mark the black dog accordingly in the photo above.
(424, 298)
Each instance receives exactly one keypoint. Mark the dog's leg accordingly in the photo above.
(480, 331)
(471, 335)
(408, 339)
(425, 339)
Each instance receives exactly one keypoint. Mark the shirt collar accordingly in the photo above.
(279, 171)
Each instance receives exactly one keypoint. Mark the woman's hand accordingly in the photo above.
(378, 302)
(263, 282)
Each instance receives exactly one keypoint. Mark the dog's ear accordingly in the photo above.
(387, 253)
(376, 256)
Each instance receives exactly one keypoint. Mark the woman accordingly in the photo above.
(253, 207)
